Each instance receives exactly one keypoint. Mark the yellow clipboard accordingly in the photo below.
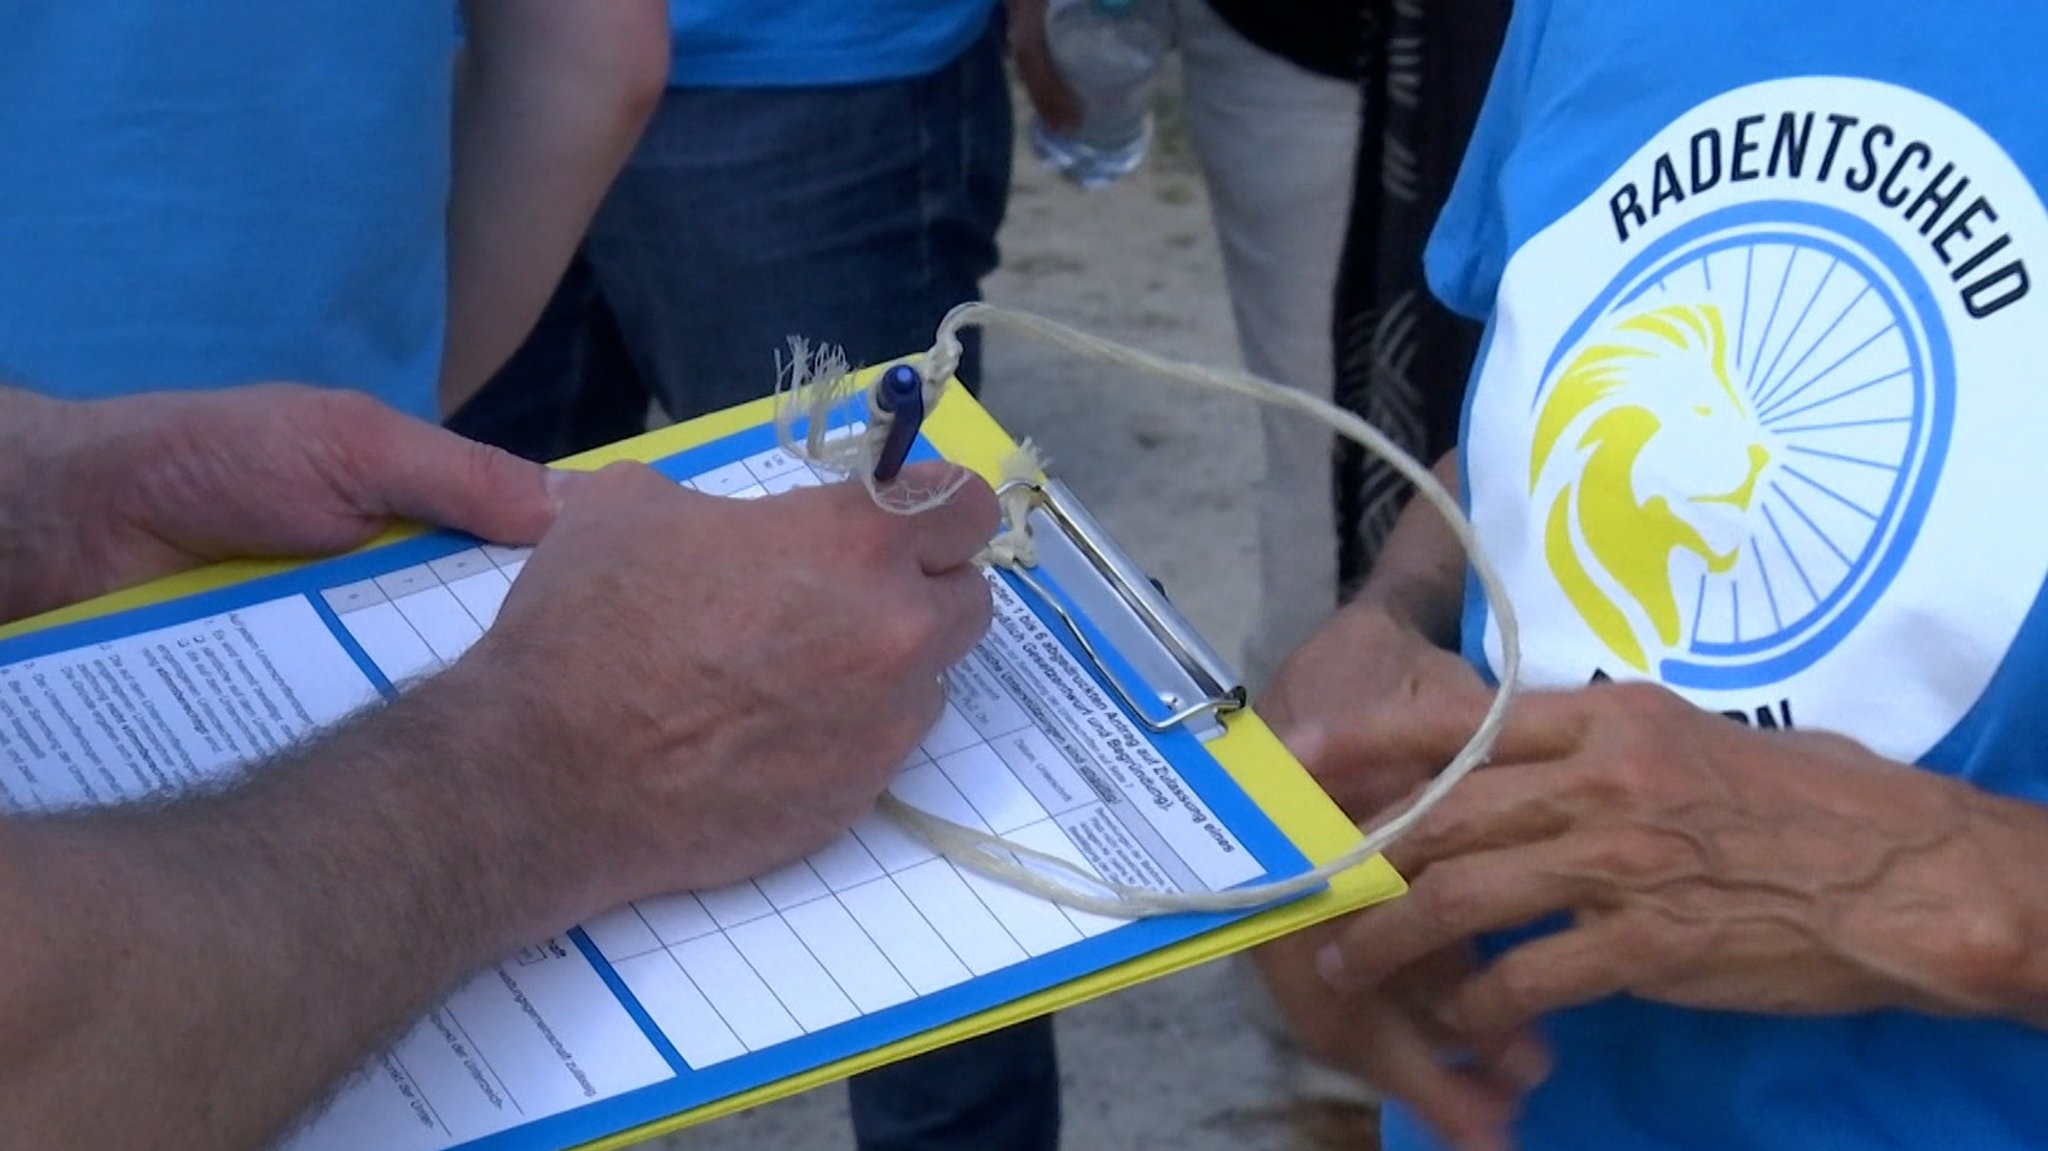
(965, 433)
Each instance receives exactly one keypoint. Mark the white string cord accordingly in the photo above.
(1046, 875)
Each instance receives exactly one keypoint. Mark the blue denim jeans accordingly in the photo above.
(850, 215)
(853, 215)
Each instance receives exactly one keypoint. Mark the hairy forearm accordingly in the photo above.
(195, 976)
(550, 98)
(1419, 577)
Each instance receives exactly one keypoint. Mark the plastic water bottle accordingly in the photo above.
(1109, 52)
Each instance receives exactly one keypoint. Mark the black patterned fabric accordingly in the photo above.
(1320, 35)
(1402, 358)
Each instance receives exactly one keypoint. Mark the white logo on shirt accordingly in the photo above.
(1748, 421)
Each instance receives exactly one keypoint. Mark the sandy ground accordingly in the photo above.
(1182, 1062)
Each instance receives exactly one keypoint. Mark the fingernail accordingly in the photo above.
(1330, 965)
(561, 482)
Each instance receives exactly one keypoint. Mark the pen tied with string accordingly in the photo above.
(813, 387)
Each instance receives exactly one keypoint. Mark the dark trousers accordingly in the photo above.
(852, 215)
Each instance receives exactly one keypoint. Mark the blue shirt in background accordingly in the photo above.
(804, 43)
(201, 195)
(1759, 418)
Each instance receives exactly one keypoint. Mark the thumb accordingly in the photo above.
(418, 471)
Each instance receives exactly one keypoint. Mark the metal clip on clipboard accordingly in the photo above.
(1182, 676)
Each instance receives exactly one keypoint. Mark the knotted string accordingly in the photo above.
(814, 385)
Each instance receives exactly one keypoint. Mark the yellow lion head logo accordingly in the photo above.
(1650, 409)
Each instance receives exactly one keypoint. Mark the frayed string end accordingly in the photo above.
(810, 386)
(1022, 471)
(816, 383)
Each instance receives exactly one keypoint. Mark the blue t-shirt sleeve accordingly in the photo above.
(1467, 250)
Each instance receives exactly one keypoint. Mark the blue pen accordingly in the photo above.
(901, 395)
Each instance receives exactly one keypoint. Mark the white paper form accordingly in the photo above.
(1029, 747)
(537, 1036)
(875, 919)
(143, 716)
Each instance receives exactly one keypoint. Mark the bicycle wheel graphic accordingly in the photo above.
(1835, 348)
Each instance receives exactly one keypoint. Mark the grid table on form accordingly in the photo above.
(874, 919)
(417, 620)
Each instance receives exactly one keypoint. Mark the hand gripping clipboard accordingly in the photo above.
(1172, 670)
(1163, 673)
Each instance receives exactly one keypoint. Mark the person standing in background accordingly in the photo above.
(1271, 103)
(831, 170)
(327, 192)
(836, 170)
(1402, 357)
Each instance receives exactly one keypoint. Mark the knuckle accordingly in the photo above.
(1632, 776)
(623, 478)
(1639, 704)
(980, 612)
(1989, 946)
(907, 635)
(1648, 950)
(637, 474)
(483, 468)
(1624, 773)
(1639, 695)
(1519, 987)
(870, 537)
(1449, 903)
(1828, 744)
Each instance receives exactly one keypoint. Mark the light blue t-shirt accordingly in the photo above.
(195, 195)
(804, 43)
(1759, 416)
